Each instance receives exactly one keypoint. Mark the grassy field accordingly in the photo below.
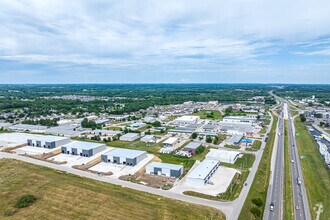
(65, 196)
(232, 146)
(260, 183)
(288, 204)
(315, 173)
(209, 114)
(255, 146)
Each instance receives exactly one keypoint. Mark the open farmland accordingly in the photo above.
(65, 196)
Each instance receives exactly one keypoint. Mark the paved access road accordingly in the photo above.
(275, 193)
(301, 207)
(231, 209)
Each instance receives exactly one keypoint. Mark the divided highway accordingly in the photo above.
(301, 207)
(274, 205)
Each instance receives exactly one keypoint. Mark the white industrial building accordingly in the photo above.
(47, 141)
(164, 169)
(106, 133)
(27, 127)
(186, 120)
(149, 139)
(222, 155)
(201, 174)
(5, 125)
(249, 119)
(170, 142)
(136, 126)
(130, 137)
(124, 156)
(85, 149)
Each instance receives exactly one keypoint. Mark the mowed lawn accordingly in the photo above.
(315, 173)
(66, 196)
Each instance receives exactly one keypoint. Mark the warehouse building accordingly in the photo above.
(222, 155)
(191, 147)
(170, 142)
(5, 125)
(47, 141)
(85, 149)
(164, 169)
(106, 133)
(186, 120)
(124, 156)
(240, 119)
(235, 140)
(130, 137)
(203, 172)
(136, 126)
(149, 139)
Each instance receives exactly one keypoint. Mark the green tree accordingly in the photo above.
(194, 135)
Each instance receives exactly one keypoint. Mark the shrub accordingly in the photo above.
(25, 201)
(255, 211)
(258, 202)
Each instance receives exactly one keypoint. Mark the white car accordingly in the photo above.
(292, 161)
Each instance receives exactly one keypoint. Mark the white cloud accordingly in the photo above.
(181, 34)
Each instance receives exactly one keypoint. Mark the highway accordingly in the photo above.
(275, 192)
(300, 203)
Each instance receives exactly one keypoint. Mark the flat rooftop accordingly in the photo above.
(108, 132)
(130, 135)
(166, 165)
(82, 145)
(192, 145)
(203, 169)
(47, 138)
(170, 140)
(222, 154)
(123, 152)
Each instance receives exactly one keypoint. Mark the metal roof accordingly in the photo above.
(166, 165)
(130, 135)
(203, 169)
(192, 145)
(127, 153)
(48, 138)
(83, 145)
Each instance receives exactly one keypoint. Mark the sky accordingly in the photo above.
(172, 41)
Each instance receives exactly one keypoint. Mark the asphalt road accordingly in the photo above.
(231, 209)
(300, 203)
(275, 195)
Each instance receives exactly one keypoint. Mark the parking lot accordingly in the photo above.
(121, 169)
(72, 160)
(221, 180)
(33, 150)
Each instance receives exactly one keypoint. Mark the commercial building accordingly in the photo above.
(26, 127)
(164, 169)
(249, 119)
(235, 140)
(191, 147)
(236, 128)
(106, 133)
(185, 120)
(85, 149)
(136, 126)
(67, 130)
(5, 125)
(201, 174)
(47, 141)
(170, 142)
(130, 137)
(149, 139)
(124, 156)
(222, 155)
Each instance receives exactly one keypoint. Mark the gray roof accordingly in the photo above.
(209, 126)
(127, 153)
(67, 130)
(166, 165)
(83, 145)
(130, 135)
(28, 127)
(235, 139)
(108, 132)
(192, 145)
(48, 138)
